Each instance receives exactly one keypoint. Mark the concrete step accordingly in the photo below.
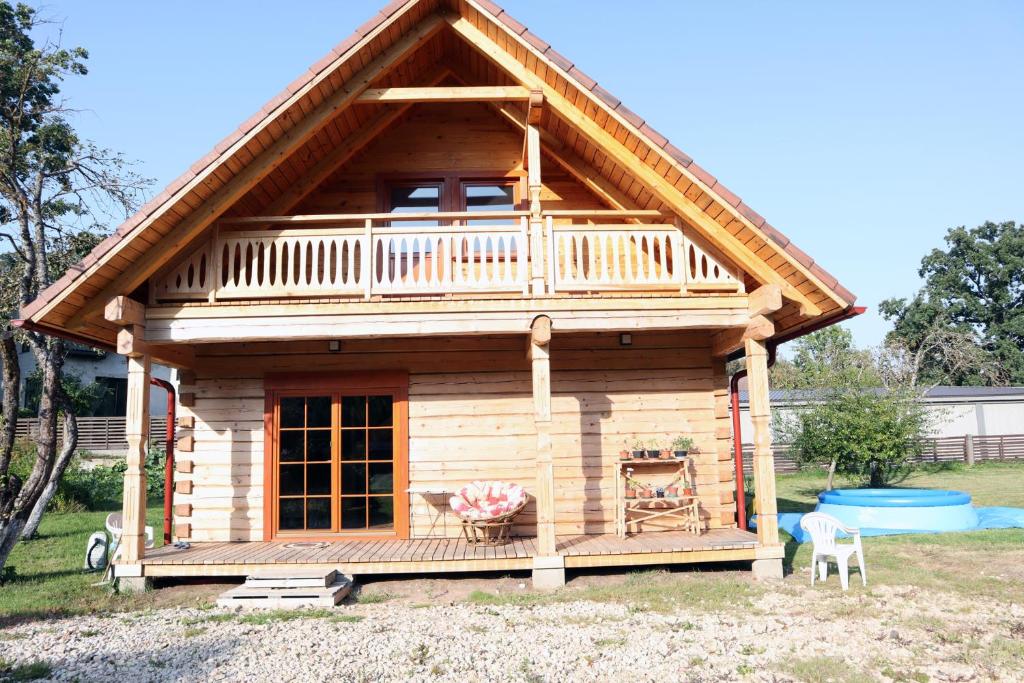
(286, 598)
(284, 578)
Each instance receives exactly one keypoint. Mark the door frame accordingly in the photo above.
(394, 382)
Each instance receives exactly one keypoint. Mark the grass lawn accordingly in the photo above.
(49, 579)
(48, 570)
(971, 562)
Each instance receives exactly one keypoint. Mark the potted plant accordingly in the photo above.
(672, 491)
(624, 454)
(659, 492)
(630, 491)
(646, 492)
(638, 449)
(652, 451)
(665, 454)
(681, 446)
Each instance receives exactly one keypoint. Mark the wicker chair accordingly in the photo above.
(487, 509)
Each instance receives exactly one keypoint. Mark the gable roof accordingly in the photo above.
(292, 126)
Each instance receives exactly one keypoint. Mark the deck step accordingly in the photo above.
(286, 598)
(285, 578)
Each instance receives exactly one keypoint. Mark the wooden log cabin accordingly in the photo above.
(442, 254)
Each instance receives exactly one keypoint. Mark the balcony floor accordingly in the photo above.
(433, 555)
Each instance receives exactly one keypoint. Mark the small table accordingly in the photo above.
(426, 493)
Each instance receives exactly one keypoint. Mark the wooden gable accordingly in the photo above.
(295, 152)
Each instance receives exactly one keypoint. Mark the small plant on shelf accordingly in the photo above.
(682, 445)
(639, 449)
(652, 450)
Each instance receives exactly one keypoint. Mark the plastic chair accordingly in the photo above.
(823, 530)
(115, 527)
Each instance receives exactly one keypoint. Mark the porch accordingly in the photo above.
(440, 555)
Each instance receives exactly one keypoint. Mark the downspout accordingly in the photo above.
(734, 398)
(169, 460)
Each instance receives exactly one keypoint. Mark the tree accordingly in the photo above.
(54, 186)
(973, 290)
(872, 434)
(826, 359)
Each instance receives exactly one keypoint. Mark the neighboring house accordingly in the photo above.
(443, 253)
(956, 411)
(89, 365)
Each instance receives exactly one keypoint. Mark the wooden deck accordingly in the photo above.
(432, 555)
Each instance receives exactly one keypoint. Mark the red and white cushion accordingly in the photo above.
(483, 500)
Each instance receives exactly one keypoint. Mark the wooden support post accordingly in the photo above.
(764, 462)
(533, 181)
(133, 511)
(541, 366)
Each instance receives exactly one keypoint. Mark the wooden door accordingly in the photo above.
(336, 456)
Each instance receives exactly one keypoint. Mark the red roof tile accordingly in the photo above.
(609, 99)
(585, 80)
(725, 193)
(678, 154)
(532, 39)
(698, 171)
(560, 60)
(631, 117)
(513, 25)
(751, 215)
(656, 137)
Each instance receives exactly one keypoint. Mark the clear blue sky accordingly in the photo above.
(863, 130)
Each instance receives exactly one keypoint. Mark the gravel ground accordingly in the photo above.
(789, 634)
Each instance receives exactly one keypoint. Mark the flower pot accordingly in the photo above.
(659, 493)
(638, 455)
(688, 491)
(671, 491)
(630, 493)
(680, 455)
(625, 455)
(646, 493)
(652, 455)
(665, 454)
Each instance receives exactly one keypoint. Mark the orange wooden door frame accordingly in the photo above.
(393, 382)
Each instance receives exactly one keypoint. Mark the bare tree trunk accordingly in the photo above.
(9, 403)
(63, 460)
(15, 509)
(831, 475)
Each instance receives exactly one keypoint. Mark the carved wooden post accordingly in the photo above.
(764, 461)
(541, 367)
(131, 315)
(133, 537)
(533, 181)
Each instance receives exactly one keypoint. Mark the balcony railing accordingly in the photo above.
(388, 255)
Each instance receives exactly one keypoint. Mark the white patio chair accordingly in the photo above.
(823, 530)
(115, 527)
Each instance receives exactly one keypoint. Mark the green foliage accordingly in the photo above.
(870, 434)
(826, 359)
(974, 287)
(32, 671)
(682, 443)
(83, 396)
(94, 488)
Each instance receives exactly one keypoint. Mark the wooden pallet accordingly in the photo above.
(290, 578)
(296, 597)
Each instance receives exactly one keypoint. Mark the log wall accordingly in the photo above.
(470, 417)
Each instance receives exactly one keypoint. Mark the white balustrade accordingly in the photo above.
(336, 258)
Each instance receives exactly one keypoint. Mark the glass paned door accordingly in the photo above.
(335, 460)
(367, 463)
(305, 455)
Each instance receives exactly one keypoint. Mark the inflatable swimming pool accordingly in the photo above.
(904, 510)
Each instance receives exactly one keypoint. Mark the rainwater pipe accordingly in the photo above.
(169, 460)
(734, 397)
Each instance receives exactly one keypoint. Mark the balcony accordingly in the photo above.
(463, 254)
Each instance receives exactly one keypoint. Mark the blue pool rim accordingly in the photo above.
(894, 498)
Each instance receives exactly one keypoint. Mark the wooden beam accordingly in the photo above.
(475, 93)
(133, 509)
(726, 341)
(535, 107)
(342, 154)
(765, 300)
(122, 310)
(191, 227)
(653, 181)
(760, 328)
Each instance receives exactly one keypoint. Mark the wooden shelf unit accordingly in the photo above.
(670, 513)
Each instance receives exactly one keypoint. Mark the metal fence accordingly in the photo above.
(98, 433)
(968, 449)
